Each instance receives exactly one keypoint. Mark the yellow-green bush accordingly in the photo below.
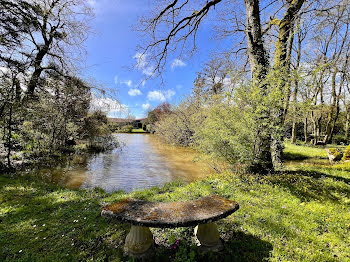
(178, 127)
(346, 154)
(337, 153)
(126, 129)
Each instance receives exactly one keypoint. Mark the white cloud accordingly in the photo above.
(141, 60)
(146, 106)
(227, 82)
(169, 93)
(116, 80)
(102, 7)
(160, 96)
(5, 73)
(155, 96)
(108, 105)
(127, 82)
(177, 63)
(148, 71)
(121, 111)
(134, 92)
(142, 64)
(179, 86)
(92, 3)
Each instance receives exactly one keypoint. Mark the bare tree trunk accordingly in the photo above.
(9, 124)
(289, 82)
(256, 52)
(295, 92)
(347, 123)
(294, 132)
(316, 120)
(332, 108)
(306, 136)
(316, 127)
(9, 137)
(335, 108)
(33, 82)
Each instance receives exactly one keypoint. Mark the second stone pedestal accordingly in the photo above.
(138, 241)
(208, 236)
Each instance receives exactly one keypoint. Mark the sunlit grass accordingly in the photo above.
(138, 130)
(345, 166)
(300, 214)
(51, 223)
(298, 152)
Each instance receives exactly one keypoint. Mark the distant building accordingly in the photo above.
(136, 123)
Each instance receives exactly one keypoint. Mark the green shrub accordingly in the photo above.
(346, 154)
(81, 148)
(236, 125)
(103, 143)
(226, 133)
(126, 129)
(114, 127)
(178, 127)
(337, 153)
(339, 140)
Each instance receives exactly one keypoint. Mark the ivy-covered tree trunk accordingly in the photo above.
(259, 65)
(268, 149)
(282, 67)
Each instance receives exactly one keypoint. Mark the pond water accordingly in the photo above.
(142, 161)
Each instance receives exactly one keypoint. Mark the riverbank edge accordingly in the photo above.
(133, 131)
(24, 164)
(297, 215)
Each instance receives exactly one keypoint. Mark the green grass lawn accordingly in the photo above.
(138, 130)
(296, 152)
(300, 214)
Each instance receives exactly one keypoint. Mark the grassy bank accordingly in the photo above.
(138, 130)
(301, 214)
(134, 130)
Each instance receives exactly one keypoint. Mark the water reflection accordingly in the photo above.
(144, 161)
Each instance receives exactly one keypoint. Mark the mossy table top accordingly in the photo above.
(172, 214)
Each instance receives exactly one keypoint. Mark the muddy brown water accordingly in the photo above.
(143, 161)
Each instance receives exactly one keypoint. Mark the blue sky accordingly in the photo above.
(112, 54)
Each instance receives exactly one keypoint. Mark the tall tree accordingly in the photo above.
(183, 20)
(44, 35)
(282, 65)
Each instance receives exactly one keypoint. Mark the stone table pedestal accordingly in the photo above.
(138, 241)
(208, 237)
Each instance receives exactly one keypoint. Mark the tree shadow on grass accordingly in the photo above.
(312, 185)
(56, 225)
(246, 247)
(238, 246)
(294, 156)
